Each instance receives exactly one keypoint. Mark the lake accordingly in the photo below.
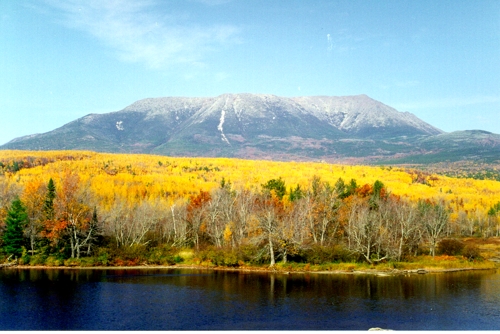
(185, 299)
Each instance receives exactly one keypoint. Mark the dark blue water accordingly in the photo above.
(147, 299)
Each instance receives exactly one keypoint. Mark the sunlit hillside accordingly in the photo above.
(138, 177)
(116, 207)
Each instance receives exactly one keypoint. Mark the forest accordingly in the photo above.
(85, 208)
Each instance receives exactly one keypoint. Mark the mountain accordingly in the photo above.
(252, 126)
(362, 116)
(461, 145)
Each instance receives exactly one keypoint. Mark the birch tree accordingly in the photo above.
(434, 218)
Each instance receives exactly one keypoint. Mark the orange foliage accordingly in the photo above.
(54, 229)
(135, 177)
(365, 191)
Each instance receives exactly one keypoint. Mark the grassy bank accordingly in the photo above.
(220, 259)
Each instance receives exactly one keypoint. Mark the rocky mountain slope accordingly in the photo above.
(249, 126)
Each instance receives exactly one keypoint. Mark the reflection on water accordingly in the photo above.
(197, 299)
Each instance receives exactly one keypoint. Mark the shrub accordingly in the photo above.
(185, 254)
(54, 261)
(450, 247)
(37, 260)
(127, 255)
(324, 254)
(102, 257)
(248, 253)
(163, 255)
(212, 255)
(72, 262)
(88, 261)
(421, 250)
(231, 258)
(25, 258)
(219, 256)
(471, 253)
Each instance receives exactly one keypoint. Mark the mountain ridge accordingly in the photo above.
(248, 125)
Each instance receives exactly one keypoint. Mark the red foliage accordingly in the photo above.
(197, 201)
(365, 190)
(54, 229)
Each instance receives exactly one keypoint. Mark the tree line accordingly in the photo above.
(320, 223)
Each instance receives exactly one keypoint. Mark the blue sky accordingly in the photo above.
(61, 60)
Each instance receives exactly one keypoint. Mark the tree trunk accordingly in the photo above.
(400, 250)
(72, 247)
(271, 251)
(433, 248)
(32, 244)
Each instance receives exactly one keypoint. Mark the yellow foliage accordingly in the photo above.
(138, 177)
(228, 234)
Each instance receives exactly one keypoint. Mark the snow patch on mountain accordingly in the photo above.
(119, 126)
(220, 128)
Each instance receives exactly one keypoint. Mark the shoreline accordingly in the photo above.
(393, 272)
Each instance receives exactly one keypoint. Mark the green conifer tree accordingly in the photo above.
(13, 237)
(278, 185)
(48, 206)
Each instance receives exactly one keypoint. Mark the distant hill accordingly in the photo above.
(265, 127)
(476, 145)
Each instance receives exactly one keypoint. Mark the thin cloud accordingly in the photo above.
(343, 41)
(329, 42)
(138, 32)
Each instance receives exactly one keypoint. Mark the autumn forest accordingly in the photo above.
(86, 208)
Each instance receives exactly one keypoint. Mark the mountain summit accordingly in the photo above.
(363, 116)
(245, 126)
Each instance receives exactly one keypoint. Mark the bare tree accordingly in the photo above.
(466, 225)
(130, 224)
(172, 228)
(481, 222)
(244, 208)
(363, 231)
(269, 211)
(434, 218)
(322, 207)
(405, 227)
(147, 215)
(220, 213)
(290, 231)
